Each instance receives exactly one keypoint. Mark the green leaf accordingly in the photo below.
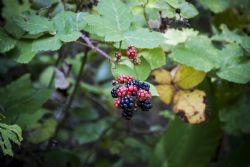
(238, 157)
(175, 36)
(12, 29)
(121, 69)
(23, 52)
(9, 134)
(233, 66)
(43, 132)
(90, 132)
(67, 22)
(19, 97)
(34, 24)
(69, 37)
(155, 57)
(227, 35)
(188, 10)
(46, 44)
(61, 157)
(116, 12)
(167, 7)
(14, 7)
(153, 90)
(103, 28)
(140, 72)
(187, 77)
(215, 6)
(115, 19)
(197, 52)
(236, 117)
(232, 37)
(143, 38)
(28, 121)
(175, 150)
(6, 43)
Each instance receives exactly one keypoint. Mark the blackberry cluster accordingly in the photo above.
(131, 94)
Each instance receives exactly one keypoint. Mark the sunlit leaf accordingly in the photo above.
(34, 24)
(162, 76)
(166, 92)
(197, 52)
(187, 77)
(155, 57)
(142, 38)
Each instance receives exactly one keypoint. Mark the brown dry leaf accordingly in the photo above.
(187, 77)
(166, 92)
(190, 106)
(162, 76)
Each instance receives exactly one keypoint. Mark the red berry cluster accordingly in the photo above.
(129, 94)
(131, 52)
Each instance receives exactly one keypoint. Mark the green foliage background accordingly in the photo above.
(56, 67)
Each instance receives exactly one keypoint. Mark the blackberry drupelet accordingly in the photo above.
(145, 105)
(114, 92)
(127, 114)
(127, 103)
(144, 86)
(133, 83)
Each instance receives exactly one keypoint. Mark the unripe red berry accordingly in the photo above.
(143, 95)
(118, 56)
(116, 103)
(131, 52)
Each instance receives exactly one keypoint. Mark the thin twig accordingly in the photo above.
(101, 52)
(58, 60)
(66, 109)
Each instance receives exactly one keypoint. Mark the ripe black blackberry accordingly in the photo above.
(114, 92)
(145, 105)
(133, 83)
(127, 103)
(178, 10)
(127, 114)
(144, 86)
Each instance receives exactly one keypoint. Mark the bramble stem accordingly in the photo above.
(66, 109)
(101, 52)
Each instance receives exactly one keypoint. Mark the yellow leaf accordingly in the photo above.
(190, 106)
(166, 93)
(187, 77)
(162, 76)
